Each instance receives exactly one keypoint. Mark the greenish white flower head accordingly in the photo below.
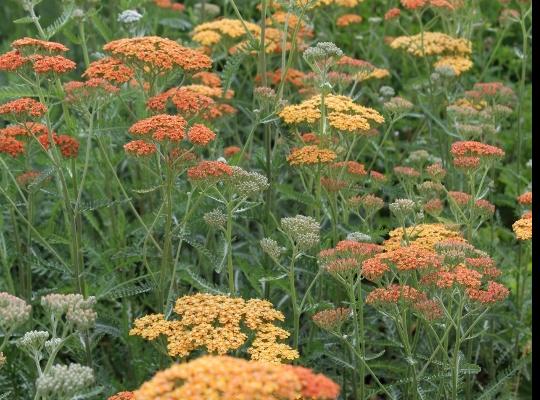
(62, 382)
(270, 247)
(304, 231)
(13, 311)
(247, 184)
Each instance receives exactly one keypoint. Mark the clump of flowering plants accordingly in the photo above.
(265, 199)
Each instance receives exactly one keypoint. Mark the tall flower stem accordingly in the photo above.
(359, 337)
(228, 238)
(166, 257)
(294, 300)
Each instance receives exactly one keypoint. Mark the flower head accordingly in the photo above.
(209, 170)
(200, 135)
(160, 127)
(311, 155)
(305, 231)
(24, 108)
(13, 311)
(236, 378)
(157, 53)
(63, 381)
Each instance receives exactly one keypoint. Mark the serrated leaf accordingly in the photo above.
(13, 91)
(200, 283)
(59, 23)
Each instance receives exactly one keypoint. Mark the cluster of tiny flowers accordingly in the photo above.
(151, 53)
(271, 247)
(123, 396)
(347, 257)
(215, 322)
(235, 378)
(13, 311)
(64, 382)
(523, 228)
(215, 218)
(422, 235)
(331, 319)
(311, 155)
(246, 183)
(495, 292)
(348, 19)
(22, 109)
(344, 114)
(304, 231)
(41, 56)
(209, 171)
(33, 341)
(402, 208)
(77, 310)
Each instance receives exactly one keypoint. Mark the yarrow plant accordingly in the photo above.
(241, 200)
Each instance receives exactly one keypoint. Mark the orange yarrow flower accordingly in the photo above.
(209, 169)
(161, 127)
(157, 53)
(311, 155)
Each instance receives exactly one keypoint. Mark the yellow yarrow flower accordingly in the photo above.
(432, 43)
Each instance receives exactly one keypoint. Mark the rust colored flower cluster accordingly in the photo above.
(85, 92)
(161, 127)
(110, 69)
(446, 4)
(23, 108)
(225, 378)
(200, 135)
(194, 100)
(209, 171)
(169, 4)
(475, 149)
(347, 257)
(153, 53)
(331, 319)
(525, 199)
(11, 146)
(408, 258)
(405, 295)
(69, 146)
(217, 323)
(40, 55)
(140, 148)
(123, 396)
(33, 46)
(348, 19)
(494, 293)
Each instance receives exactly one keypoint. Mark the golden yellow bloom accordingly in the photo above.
(432, 43)
(523, 228)
(458, 63)
(422, 235)
(215, 323)
(344, 114)
(310, 155)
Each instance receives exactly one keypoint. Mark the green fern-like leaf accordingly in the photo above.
(59, 23)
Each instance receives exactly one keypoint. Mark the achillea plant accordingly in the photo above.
(339, 184)
(218, 325)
